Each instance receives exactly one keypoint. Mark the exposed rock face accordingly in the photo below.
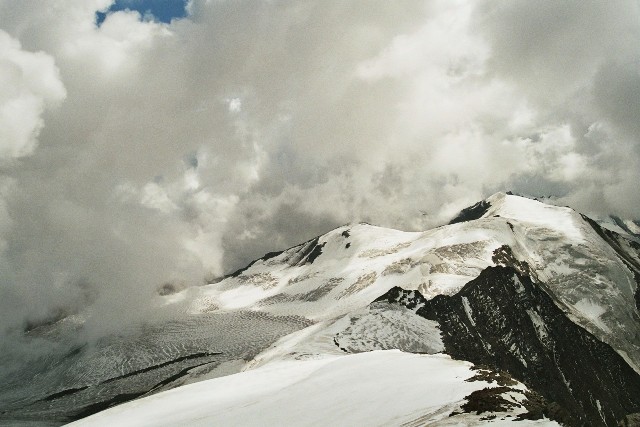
(472, 212)
(503, 320)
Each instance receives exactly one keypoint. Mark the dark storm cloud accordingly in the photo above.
(616, 91)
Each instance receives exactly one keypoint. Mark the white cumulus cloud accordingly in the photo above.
(29, 83)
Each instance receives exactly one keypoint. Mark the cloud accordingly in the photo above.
(616, 91)
(29, 82)
(184, 150)
(29, 85)
(578, 65)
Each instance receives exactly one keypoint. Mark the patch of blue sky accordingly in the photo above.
(156, 10)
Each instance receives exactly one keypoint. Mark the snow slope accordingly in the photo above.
(360, 262)
(378, 388)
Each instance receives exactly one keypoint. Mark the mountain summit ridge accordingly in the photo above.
(324, 301)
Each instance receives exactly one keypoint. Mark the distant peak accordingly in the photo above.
(492, 203)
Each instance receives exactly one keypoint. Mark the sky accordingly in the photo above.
(138, 150)
(150, 10)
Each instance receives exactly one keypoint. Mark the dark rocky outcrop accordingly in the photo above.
(504, 256)
(472, 212)
(315, 253)
(503, 320)
(488, 400)
(307, 253)
(265, 257)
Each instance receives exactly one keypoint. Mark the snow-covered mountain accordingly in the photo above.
(517, 310)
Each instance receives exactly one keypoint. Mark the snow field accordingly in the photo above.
(378, 388)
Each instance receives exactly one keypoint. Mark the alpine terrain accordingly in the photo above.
(516, 311)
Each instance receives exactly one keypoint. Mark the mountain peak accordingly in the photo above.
(501, 204)
(505, 286)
